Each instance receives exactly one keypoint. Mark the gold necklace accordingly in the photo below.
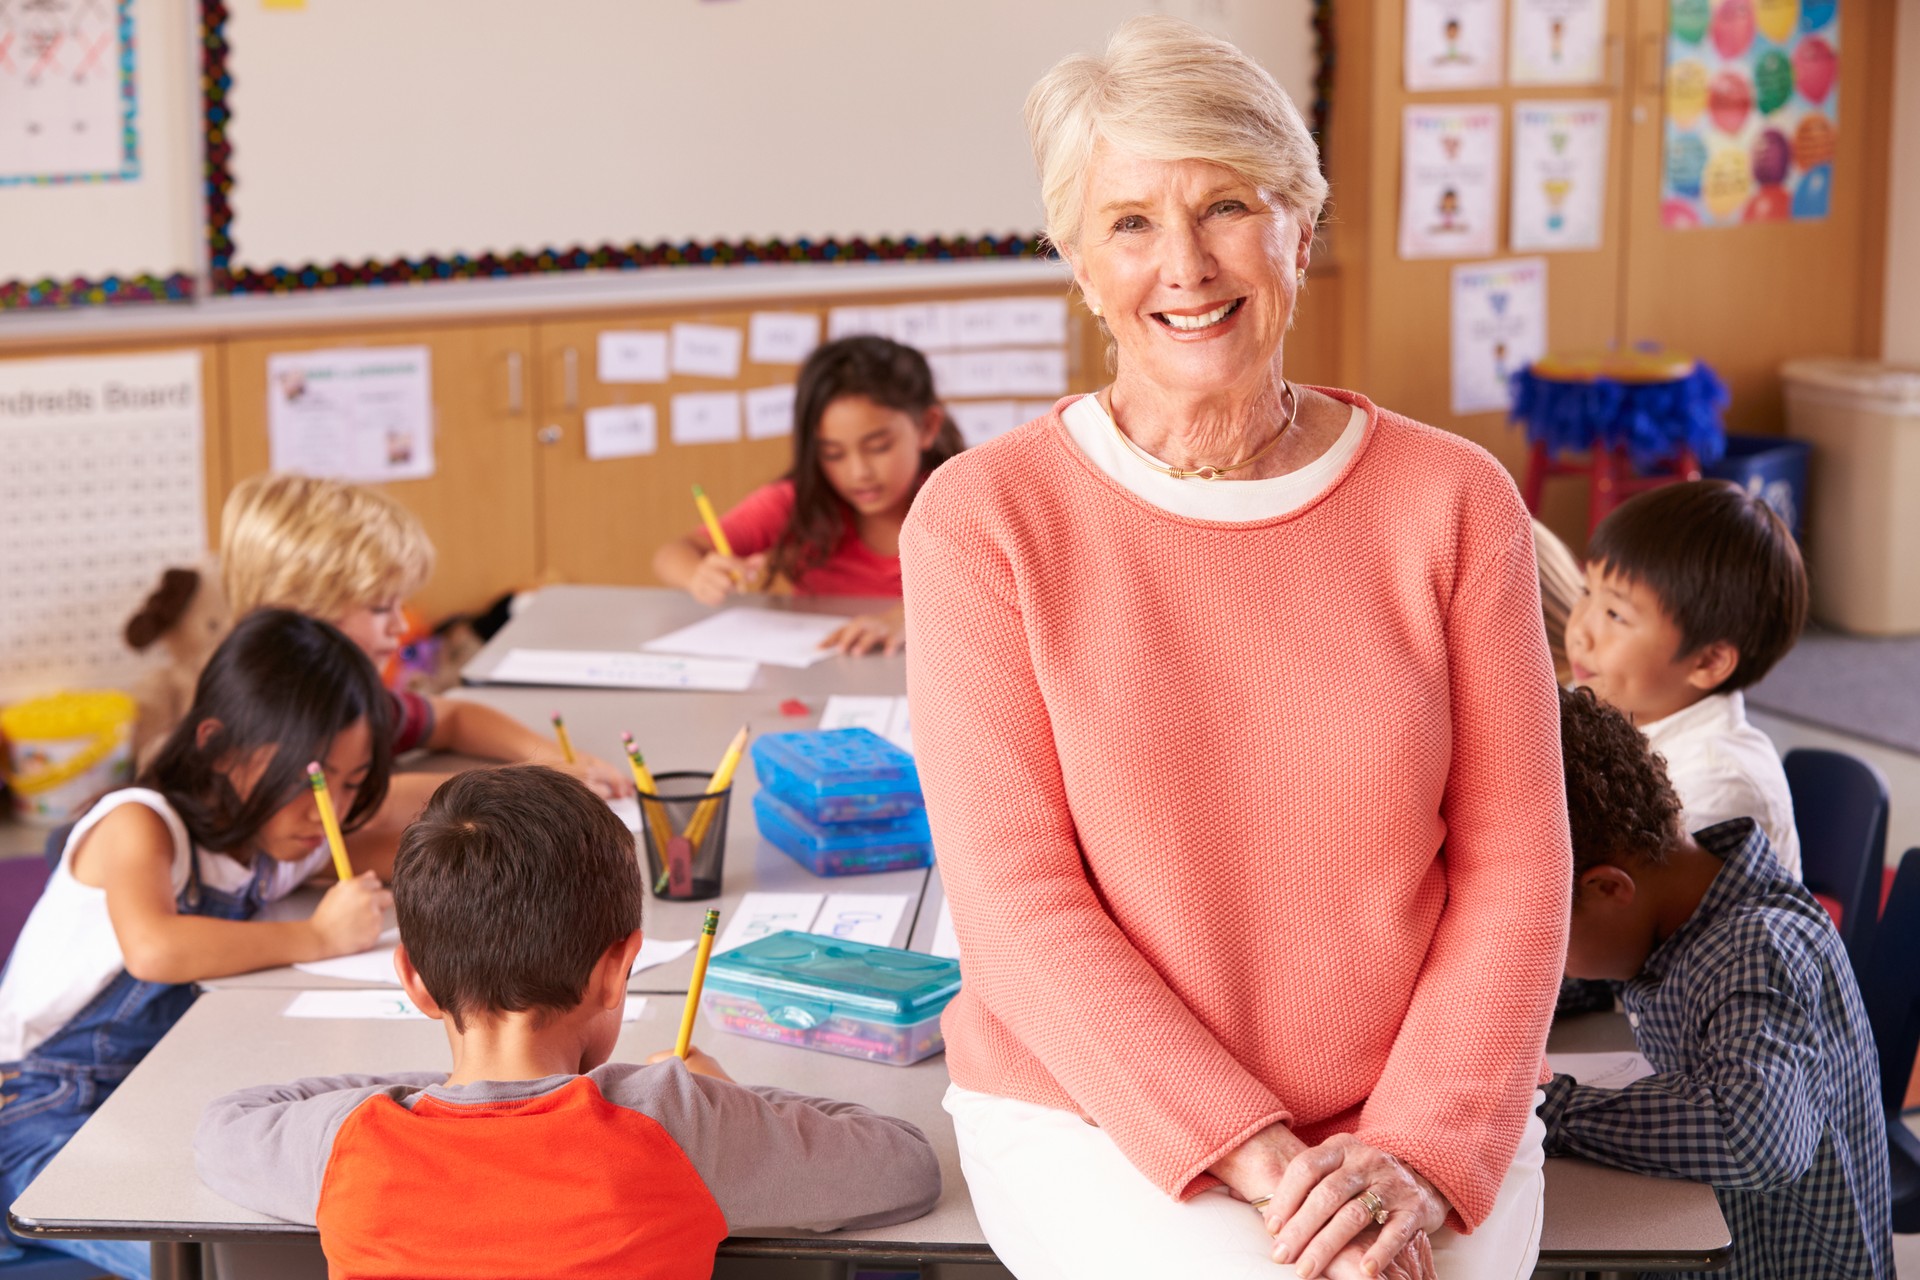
(1212, 473)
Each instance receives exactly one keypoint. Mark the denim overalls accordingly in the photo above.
(45, 1098)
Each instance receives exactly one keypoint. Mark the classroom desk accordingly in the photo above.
(612, 618)
(675, 730)
(129, 1173)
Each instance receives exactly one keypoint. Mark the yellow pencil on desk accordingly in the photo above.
(700, 959)
(560, 732)
(331, 821)
(712, 521)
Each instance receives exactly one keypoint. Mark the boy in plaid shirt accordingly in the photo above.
(1741, 997)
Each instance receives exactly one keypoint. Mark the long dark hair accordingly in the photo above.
(279, 679)
(890, 374)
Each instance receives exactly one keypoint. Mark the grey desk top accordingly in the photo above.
(675, 731)
(129, 1171)
(614, 618)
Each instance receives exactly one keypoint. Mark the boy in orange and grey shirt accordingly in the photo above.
(519, 904)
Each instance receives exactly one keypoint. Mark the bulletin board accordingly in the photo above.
(359, 142)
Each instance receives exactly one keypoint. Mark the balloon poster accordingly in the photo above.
(1753, 111)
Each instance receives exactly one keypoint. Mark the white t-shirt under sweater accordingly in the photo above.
(1224, 500)
(1724, 768)
(68, 951)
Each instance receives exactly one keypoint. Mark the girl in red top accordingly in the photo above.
(867, 430)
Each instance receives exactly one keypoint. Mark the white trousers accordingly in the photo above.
(1058, 1201)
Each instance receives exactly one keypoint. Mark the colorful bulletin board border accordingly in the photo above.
(17, 295)
(216, 82)
(1752, 111)
(129, 123)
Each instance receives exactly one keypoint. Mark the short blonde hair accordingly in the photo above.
(1168, 90)
(321, 547)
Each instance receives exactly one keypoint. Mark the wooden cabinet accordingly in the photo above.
(479, 506)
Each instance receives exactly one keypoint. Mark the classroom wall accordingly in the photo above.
(1901, 333)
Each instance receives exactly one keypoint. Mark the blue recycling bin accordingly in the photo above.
(1774, 469)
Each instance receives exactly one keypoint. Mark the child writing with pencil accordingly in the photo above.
(536, 1155)
(351, 555)
(158, 882)
(868, 429)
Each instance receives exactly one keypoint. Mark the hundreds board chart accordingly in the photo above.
(101, 488)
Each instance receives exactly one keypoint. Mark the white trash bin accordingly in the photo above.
(1863, 531)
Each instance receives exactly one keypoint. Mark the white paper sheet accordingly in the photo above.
(1449, 181)
(63, 74)
(1559, 174)
(706, 417)
(1558, 42)
(375, 967)
(1499, 325)
(1602, 1070)
(770, 412)
(622, 669)
(1452, 44)
(627, 809)
(886, 716)
(760, 914)
(782, 337)
(622, 431)
(862, 917)
(632, 355)
(981, 420)
(708, 350)
(927, 326)
(1037, 372)
(361, 414)
(945, 942)
(1010, 322)
(774, 636)
(389, 1005)
(846, 322)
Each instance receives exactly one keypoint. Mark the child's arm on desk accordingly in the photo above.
(476, 730)
(771, 1158)
(266, 1148)
(1744, 1120)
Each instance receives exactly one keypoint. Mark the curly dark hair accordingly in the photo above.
(1619, 802)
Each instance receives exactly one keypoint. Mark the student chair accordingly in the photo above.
(1840, 808)
(20, 882)
(1891, 986)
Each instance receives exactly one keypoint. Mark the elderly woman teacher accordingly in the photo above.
(1238, 735)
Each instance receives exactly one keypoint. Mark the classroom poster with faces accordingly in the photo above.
(1753, 111)
(1452, 44)
(1558, 42)
(67, 92)
(1559, 174)
(1449, 181)
(1499, 327)
(359, 414)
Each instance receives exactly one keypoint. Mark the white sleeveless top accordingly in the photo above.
(68, 951)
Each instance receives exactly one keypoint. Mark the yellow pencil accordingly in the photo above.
(643, 783)
(560, 732)
(335, 841)
(714, 531)
(722, 779)
(700, 959)
(642, 776)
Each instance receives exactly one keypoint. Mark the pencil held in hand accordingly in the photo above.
(715, 533)
(700, 959)
(331, 821)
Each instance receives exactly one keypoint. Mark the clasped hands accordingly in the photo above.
(1315, 1214)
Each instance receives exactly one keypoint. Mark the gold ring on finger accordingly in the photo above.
(1375, 1207)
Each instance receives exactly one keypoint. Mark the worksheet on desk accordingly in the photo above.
(773, 636)
(618, 669)
(376, 965)
(888, 717)
(1601, 1070)
(388, 1006)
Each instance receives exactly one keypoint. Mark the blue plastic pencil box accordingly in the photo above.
(844, 848)
(838, 775)
(833, 995)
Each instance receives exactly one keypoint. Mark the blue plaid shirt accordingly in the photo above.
(1768, 1086)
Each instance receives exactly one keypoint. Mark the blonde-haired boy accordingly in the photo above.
(350, 556)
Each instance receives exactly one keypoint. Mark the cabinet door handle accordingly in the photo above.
(548, 435)
(570, 379)
(516, 386)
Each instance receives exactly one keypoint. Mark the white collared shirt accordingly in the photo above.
(1724, 768)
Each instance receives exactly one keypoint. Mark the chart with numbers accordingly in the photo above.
(101, 488)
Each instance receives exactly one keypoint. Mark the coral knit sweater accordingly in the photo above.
(1245, 823)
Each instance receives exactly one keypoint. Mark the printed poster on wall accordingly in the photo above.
(1559, 174)
(1753, 111)
(1452, 44)
(1499, 327)
(352, 414)
(67, 92)
(1558, 42)
(1449, 180)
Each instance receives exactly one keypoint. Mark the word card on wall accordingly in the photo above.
(100, 490)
